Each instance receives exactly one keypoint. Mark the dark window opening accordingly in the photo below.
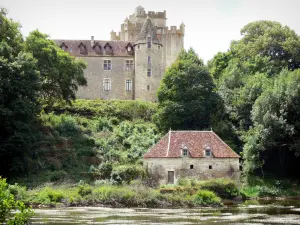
(191, 167)
(210, 167)
(148, 42)
(148, 87)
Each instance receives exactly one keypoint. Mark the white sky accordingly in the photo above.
(210, 24)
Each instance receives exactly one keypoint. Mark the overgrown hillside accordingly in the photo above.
(93, 139)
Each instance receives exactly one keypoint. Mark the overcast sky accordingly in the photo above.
(210, 24)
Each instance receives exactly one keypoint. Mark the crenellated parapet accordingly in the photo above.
(174, 30)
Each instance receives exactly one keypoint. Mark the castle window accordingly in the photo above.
(128, 85)
(148, 42)
(107, 65)
(149, 59)
(107, 84)
(148, 87)
(129, 64)
(191, 167)
(149, 73)
(210, 167)
(129, 48)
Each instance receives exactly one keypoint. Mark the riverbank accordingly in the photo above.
(187, 193)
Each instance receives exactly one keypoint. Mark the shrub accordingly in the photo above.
(8, 204)
(49, 195)
(84, 189)
(127, 173)
(57, 175)
(17, 191)
(224, 188)
(102, 182)
(206, 198)
(184, 181)
(105, 169)
(264, 191)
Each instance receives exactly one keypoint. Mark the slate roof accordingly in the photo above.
(147, 28)
(119, 48)
(171, 144)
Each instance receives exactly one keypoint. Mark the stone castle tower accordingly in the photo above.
(132, 63)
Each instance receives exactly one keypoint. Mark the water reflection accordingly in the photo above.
(249, 212)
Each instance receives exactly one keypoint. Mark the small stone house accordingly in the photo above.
(198, 154)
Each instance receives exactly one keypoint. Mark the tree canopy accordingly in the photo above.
(187, 98)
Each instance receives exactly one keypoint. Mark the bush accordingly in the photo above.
(207, 198)
(49, 195)
(127, 173)
(17, 191)
(264, 191)
(57, 175)
(84, 189)
(8, 204)
(184, 181)
(102, 182)
(224, 188)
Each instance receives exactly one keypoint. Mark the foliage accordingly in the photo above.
(127, 173)
(186, 96)
(275, 115)
(8, 204)
(205, 198)
(60, 73)
(19, 107)
(224, 188)
(119, 109)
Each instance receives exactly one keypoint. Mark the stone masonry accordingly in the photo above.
(132, 63)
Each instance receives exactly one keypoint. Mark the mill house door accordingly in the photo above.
(170, 177)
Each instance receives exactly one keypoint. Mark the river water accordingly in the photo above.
(249, 212)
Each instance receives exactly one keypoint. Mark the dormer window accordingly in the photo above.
(64, 47)
(97, 49)
(185, 151)
(82, 49)
(207, 151)
(129, 49)
(108, 49)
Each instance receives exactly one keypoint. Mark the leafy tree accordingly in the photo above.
(186, 96)
(60, 73)
(19, 107)
(9, 204)
(276, 123)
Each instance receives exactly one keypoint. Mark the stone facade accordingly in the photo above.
(145, 41)
(198, 168)
(196, 154)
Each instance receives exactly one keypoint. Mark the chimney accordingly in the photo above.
(92, 41)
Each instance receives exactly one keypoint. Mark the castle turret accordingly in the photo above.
(182, 28)
(148, 62)
(139, 11)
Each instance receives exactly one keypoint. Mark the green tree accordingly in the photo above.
(187, 98)
(60, 73)
(8, 204)
(276, 128)
(19, 107)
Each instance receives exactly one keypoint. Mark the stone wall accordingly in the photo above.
(198, 168)
(95, 75)
(141, 66)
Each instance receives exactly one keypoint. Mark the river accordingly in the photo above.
(249, 212)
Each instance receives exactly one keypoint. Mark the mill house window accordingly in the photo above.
(149, 73)
(107, 64)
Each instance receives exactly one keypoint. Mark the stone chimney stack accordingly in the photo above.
(92, 41)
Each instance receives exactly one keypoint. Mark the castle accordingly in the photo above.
(131, 64)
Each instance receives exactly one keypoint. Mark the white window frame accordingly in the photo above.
(185, 152)
(107, 62)
(128, 84)
(129, 64)
(106, 85)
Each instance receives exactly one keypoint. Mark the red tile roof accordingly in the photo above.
(170, 146)
(119, 48)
